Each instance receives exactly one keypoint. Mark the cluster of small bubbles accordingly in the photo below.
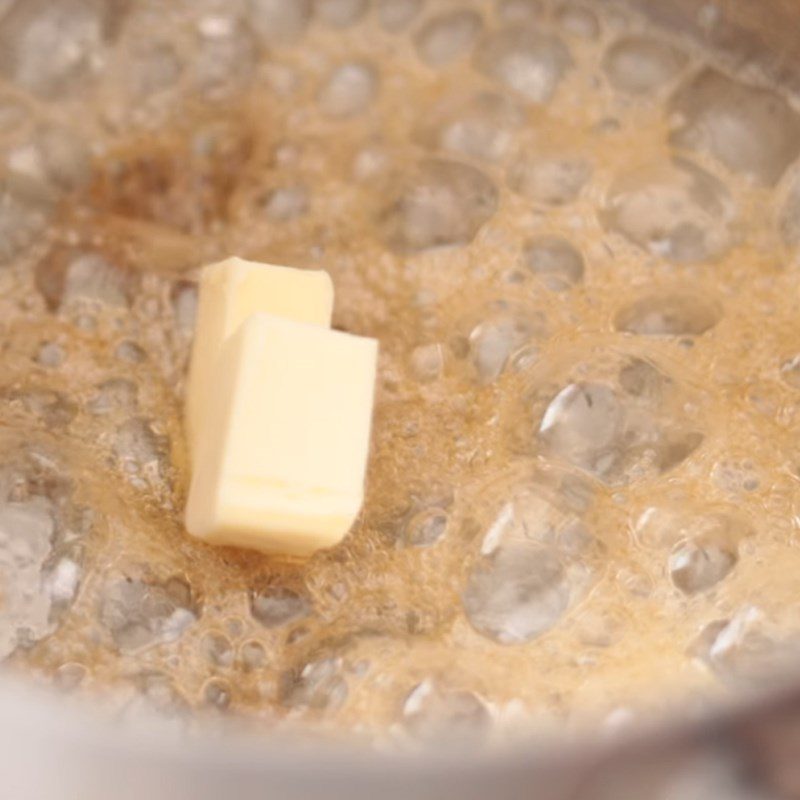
(734, 476)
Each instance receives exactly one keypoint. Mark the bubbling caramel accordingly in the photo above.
(577, 241)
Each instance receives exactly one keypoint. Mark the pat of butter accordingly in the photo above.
(230, 292)
(282, 455)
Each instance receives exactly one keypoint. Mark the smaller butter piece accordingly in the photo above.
(282, 455)
(232, 290)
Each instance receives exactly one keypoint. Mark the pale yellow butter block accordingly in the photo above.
(230, 292)
(282, 456)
